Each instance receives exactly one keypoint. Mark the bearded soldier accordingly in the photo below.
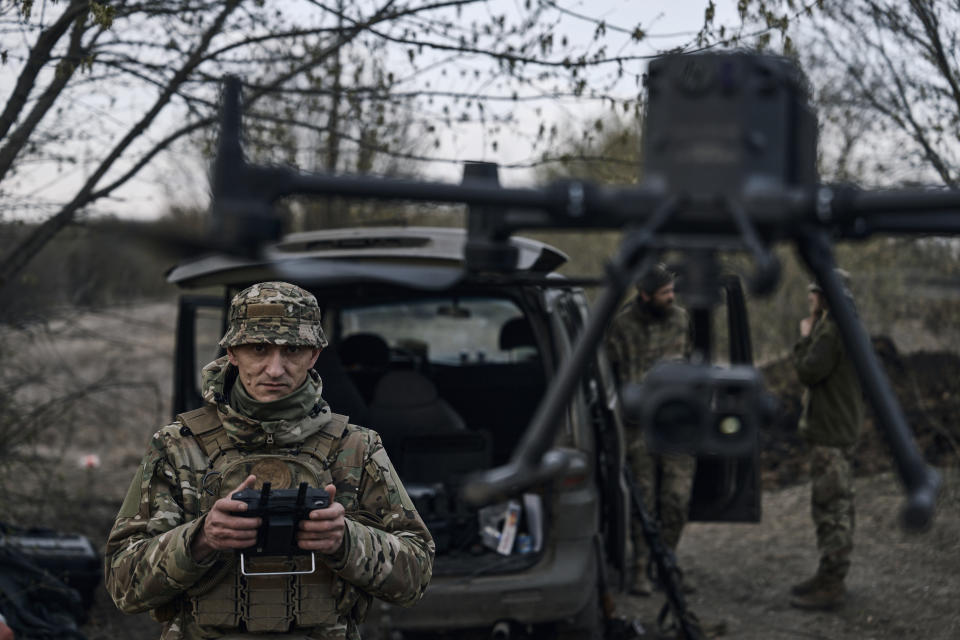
(649, 329)
(830, 425)
(173, 547)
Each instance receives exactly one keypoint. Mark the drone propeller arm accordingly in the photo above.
(855, 213)
(531, 462)
(922, 483)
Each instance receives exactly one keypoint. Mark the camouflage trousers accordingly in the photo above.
(665, 482)
(831, 503)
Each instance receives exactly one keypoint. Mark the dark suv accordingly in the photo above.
(449, 367)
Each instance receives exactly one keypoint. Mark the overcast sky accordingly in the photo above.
(174, 177)
(668, 22)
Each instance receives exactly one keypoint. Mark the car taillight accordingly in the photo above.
(573, 480)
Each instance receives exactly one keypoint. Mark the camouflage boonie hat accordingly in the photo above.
(274, 313)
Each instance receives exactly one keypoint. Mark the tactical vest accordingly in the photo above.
(225, 598)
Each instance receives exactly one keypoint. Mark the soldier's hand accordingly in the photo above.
(322, 531)
(222, 529)
(806, 326)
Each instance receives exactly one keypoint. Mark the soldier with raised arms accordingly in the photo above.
(830, 426)
(173, 547)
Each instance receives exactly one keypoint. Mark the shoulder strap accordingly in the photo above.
(204, 424)
(320, 444)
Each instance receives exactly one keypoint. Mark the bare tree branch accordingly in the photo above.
(39, 56)
(17, 258)
(65, 70)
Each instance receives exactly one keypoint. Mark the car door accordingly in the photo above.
(598, 389)
(200, 321)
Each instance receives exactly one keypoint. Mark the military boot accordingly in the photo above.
(807, 586)
(827, 595)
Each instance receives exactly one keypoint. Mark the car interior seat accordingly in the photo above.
(516, 334)
(406, 407)
(365, 357)
(338, 388)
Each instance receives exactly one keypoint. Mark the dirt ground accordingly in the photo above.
(901, 585)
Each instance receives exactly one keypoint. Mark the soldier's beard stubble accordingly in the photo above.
(657, 310)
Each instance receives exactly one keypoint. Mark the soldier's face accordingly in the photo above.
(270, 371)
(815, 303)
(662, 298)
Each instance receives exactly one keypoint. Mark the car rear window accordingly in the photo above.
(454, 331)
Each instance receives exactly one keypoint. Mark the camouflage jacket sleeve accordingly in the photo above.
(688, 333)
(614, 347)
(387, 551)
(816, 355)
(147, 558)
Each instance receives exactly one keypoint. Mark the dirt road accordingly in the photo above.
(900, 585)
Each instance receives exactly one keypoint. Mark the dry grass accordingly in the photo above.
(94, 384)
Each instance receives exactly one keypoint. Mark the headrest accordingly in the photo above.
(404, 389)
(366, 349)
(516, 332)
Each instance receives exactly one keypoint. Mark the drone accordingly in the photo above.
(730, 165)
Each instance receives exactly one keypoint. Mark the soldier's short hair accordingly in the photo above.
(274, 313)
(657, 277)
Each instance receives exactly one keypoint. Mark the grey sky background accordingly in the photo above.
(178, 176)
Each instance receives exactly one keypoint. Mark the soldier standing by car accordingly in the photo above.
(649, 329)
(172, 549)
(830, 425)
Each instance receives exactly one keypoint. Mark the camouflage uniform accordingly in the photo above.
(830, 424)
(635, 342)
(387, 551)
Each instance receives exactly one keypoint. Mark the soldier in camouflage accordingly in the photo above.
(830, 425)
(173, 547)
(649, 329)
